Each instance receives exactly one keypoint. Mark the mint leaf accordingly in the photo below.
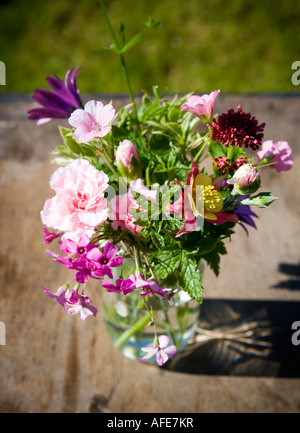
(213, 257)
(190, 277)
(166, 262)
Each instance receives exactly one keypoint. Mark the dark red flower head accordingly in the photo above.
(237, 128)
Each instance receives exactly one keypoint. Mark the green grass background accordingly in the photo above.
(202, 45)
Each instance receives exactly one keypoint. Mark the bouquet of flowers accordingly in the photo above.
(144, 195)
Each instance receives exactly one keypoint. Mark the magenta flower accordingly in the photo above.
(72, 302)
(279, 153)
(105, 260)
(50, 236)
(237, 128)
(202, 106)
(126, 285)
(161, 350)
(92, 122)
(87, 259)
(59, 295)
(57, 104)
(79, 304)
(80, 248)
(79, 204)
(151, 288)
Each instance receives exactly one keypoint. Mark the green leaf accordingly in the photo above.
(70, 142)
(133, 41)
(190, 277)
(166, 262)
(157, 239)
(213, 257)
(262, 200)
(217, 150)
(177, 262)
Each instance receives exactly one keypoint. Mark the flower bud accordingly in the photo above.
(128, 161)
(246, 180)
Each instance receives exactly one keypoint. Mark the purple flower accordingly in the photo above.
(279, 153)
(161, 350)
(126, 285)
(57, 104)
(245, 214)
(105, 260)
(151, 287)
(237, 128)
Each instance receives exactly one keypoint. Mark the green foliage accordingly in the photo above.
(201, 45)
(263, 199)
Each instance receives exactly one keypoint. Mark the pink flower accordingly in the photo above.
(79, 304)
(92, 122)
(125, 152)
(161, 350)
(202, 106)
(72, 302)
(151, 287)
(120, 206)
(126, 285)
(79, 204)
(280, 153)
(121, 215)
(246, 179)
(105, 260)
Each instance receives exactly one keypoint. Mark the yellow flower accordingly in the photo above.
(205, 199)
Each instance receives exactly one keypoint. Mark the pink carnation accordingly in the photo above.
(93, 121)
(280, 153)
(202, 106)
(121, 205)
(79, 204)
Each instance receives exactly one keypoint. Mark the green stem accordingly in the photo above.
(109, 25)
(127, 80)
(206, 141)
(123, 64)
(109, 162)
(133, 330)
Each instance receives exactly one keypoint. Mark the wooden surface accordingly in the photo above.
(56, 363)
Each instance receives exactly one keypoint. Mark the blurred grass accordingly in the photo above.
(237, 46)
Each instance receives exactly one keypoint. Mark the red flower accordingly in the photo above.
(237, 128)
